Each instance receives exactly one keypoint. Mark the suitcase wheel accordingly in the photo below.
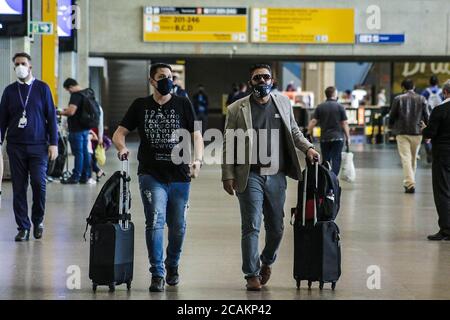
(309, 284)
(333, 286)
(94, 287)
(321, 285)
(298, 284)
(112, 287)
(128, 285)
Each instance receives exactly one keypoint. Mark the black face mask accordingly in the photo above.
(262, 90)
(164, 86)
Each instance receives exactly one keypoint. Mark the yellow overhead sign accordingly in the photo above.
(308, 25)
(200, 24)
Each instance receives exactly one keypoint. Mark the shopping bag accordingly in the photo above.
(100, 155)
(348, 172)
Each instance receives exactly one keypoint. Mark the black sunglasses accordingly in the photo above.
(258, 77)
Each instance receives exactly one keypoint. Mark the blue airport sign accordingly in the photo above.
(380, 38)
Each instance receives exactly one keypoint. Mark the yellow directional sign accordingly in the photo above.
(201, 24)
(297, 25)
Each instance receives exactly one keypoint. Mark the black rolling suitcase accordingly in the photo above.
(112, 244)
(317, 252)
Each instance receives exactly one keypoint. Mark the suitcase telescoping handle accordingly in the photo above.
(124, 206)
(316, 175)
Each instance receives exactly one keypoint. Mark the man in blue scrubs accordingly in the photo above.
(28, 121)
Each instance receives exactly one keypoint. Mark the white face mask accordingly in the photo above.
(22, 72)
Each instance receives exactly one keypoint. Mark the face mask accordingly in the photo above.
(22, 72)
(164, 86)
(262, 90)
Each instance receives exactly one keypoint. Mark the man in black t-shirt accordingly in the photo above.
(161, 119)
(332, 119)
(78, 134)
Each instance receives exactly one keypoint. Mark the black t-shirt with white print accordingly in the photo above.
(156, 125)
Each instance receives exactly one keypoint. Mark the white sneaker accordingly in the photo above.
(91, 181)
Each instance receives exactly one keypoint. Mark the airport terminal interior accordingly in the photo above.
(365, 50)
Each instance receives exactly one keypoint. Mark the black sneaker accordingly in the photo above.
(172, 277)
(157, 284)
(69, 181)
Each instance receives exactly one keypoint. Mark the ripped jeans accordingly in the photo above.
(164, 203)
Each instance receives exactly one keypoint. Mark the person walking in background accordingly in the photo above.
(78, 132)
(28, 122)
(232, 94)
(177, 89)
(242, 92)
(434, 97)
(381, 98)
(407, 111)
(332, 119)
(201, 104)
(438, 130)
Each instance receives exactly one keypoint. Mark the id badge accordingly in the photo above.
(22, 123)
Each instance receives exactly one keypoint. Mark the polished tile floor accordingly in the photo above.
(380, 225)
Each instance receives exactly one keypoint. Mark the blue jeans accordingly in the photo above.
(79, 145)
(264, 196)
(332, 152)
(164, 203)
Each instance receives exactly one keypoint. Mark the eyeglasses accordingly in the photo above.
(258, 77)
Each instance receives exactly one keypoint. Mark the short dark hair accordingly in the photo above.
(446, 87)
(434, 81)
(260, 66)
(154, 68)
(329, 92)
(408, 84)
(70, 83)
(21, 55)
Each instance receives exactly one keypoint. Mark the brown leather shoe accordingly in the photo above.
(253, 284)
(265, 273)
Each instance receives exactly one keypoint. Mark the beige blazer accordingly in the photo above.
(239, 117)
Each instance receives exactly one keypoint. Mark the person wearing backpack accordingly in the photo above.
(83, 114)
(434, 96)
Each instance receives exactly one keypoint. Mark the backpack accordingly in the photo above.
(106, 206)
(90, 111)
(434, 99)
(328, 191)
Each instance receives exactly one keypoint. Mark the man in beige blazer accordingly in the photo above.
(260, 148)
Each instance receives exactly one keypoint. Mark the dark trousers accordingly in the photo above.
(332, 152)
(28, 161)
(441, 189)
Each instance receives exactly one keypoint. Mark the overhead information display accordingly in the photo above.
(303, 25)
(201, 24)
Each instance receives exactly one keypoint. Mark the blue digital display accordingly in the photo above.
(65, 18)
(11, 7)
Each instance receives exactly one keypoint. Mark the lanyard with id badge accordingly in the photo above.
(23, 120)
